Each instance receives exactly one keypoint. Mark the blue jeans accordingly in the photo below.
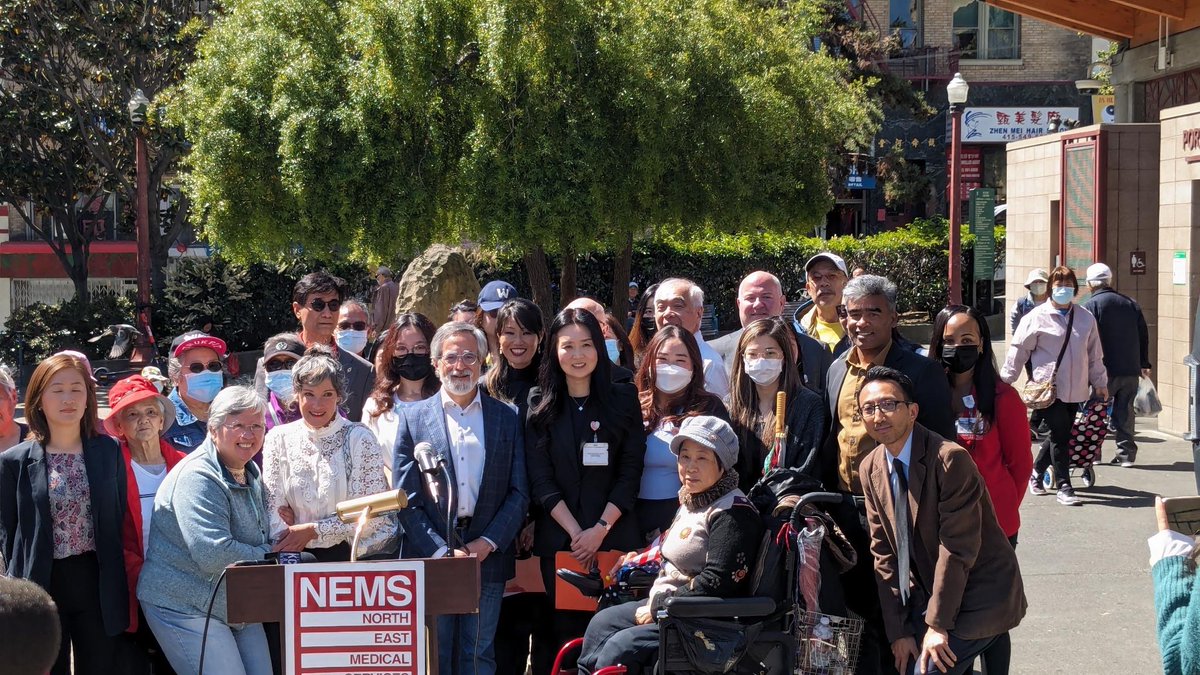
(240, 649)
(467, 642)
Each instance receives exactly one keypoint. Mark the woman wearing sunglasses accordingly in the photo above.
(197, 370)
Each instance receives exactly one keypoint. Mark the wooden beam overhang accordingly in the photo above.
(1102, 18)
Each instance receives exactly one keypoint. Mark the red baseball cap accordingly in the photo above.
(194, 339)
(130, 391)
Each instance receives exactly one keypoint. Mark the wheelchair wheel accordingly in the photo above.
(1048, 479)
(1088, 476)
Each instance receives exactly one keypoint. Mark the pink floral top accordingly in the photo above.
(70, 504)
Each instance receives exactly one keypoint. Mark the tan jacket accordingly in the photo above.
(962, 562)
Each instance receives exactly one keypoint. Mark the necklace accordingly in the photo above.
(239, 475)
(579, 405)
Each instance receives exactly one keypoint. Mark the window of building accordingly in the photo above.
(985, 32)
(904, 21)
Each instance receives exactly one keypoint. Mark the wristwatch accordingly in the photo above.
(604, 523)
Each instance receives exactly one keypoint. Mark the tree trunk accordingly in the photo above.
(621, 305)
(567, 286)
(78, 272)
(539, 279)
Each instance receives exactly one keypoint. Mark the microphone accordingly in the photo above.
(428, 461)
(380, 504)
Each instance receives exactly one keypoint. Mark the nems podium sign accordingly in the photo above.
(354, 619)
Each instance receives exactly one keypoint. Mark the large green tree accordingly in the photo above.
(373, 129)
(68, 69)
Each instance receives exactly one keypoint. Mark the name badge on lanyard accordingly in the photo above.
(595, 453)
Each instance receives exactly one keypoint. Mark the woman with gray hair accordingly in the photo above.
(11, 431)
(319, 460)
(210, 512)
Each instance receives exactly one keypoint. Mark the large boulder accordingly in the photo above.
(435, 281)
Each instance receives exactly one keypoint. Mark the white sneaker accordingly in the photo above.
(1067, 497)
(1035, 486)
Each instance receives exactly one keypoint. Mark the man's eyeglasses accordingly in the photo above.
(352, 325)
(240, 429)
(887, 405)
(466, 358)
(211, 366)
(319, 305)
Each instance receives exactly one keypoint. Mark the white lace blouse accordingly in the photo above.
(311, 470)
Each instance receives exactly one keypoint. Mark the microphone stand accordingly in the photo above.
(451, 535)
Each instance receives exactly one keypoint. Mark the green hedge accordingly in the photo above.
(36, 331)
(914, 257)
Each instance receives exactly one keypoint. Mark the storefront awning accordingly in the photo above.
(1112, 19)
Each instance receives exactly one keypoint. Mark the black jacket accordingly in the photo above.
(557, 473)
(806, 426)
(933, 397)
(1123, 332)
(26, 528)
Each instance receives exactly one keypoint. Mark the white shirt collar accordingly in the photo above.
(905, 455)
(447, 402)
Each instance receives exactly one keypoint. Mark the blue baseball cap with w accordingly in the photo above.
(495, 294)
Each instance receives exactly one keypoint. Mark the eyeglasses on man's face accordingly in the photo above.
(320, 305)
(352, 325)
(465, 358)
(887, 405)
(211, 366)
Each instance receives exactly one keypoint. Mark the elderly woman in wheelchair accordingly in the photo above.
(709, 550)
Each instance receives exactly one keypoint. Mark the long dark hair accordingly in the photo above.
(528, 316)
(984, 375)
(641, 334)
(694, 398)
(743, 393)
(622, 339)
(387, 378)
(552, 381)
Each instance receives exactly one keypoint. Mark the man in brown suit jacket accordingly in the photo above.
(958, 591)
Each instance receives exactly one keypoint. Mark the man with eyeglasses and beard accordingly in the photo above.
(467, 429)
(197, 371)
(316, 300)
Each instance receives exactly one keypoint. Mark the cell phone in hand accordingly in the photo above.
(1183, 514)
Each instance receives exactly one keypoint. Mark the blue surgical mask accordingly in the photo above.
(280, 383)
(353, 341)
(204, 386)
(614, 350)
(1062, 294)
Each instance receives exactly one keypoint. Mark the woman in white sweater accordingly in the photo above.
(319, 460)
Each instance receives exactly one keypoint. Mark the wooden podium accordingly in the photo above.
(255, 594)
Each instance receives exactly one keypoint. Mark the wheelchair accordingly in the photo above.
(770, 632)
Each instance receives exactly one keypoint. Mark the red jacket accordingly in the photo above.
(1003, 457)
(131, 529)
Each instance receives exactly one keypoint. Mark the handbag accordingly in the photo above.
(1040, 395)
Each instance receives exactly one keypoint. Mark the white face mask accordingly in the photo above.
(670, 379)
(614, 350)
(1038, 288)
(353, 341)
(763, 371)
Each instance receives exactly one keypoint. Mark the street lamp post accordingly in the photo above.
(138, 105)
(956, 93)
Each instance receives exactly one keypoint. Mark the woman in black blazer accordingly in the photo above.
(62, 501)
(585, 447)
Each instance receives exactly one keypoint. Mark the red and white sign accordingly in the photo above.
(355, 618)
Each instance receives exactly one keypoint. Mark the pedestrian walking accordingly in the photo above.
(1126, 342)
(1062, 342)
(383, 301)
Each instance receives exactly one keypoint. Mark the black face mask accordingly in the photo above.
(415, 367)
(960, 358)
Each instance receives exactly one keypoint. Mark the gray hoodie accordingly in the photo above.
(203, 521)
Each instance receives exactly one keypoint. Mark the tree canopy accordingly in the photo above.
(372, 129)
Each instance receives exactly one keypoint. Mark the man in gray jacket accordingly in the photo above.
(1126, 343)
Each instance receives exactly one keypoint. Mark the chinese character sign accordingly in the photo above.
(1004, 125)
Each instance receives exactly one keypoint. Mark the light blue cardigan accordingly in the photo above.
(203, 521)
